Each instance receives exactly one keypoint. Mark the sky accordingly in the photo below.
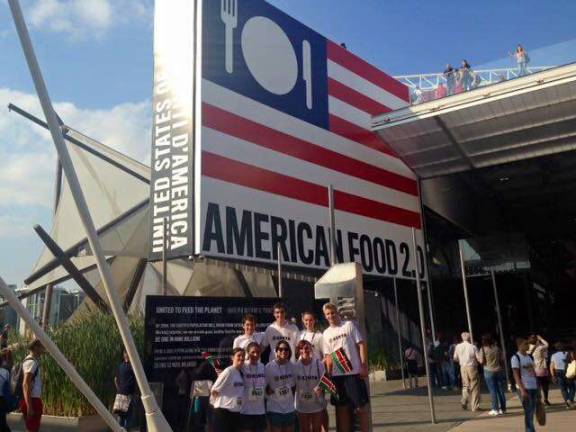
(96, 57)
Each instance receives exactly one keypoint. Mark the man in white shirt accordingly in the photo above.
(526, 383)
(466, 355)
(31, 403)
(349, 381)
(280, 329)
(250, 334)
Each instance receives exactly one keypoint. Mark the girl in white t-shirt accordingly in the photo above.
(250, 334)
(227, 395)
(310, 401)
(253, 409)
(311, 335)
(280, 390)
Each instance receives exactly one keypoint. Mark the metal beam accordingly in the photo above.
(136, 277)
(72, 270)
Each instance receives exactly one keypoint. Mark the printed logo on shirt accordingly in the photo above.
(279, 338)
(338, 337)
(282, 377)
(254, 375)
(307, 378)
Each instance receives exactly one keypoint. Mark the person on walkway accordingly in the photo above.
(441, 91)
(6, 396)
(466, 355)
(491, 358)
(539, 351)
(250, 334)
(31, 403)
(227, 395)
(435, 357)
(253, 409)
(455, 366)
(343, 340)
(280, 329)
(450, 77)
(125, 383)
(448, 374)
(466, 75)
(558, 363)
(522, 60)
(411, 357)
(310, 401)
(280, 385)
(526, 383)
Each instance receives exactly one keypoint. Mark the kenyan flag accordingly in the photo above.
(214, 362)
(327, 384)
(341, 361)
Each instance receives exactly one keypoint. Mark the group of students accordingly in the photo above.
(249, 396)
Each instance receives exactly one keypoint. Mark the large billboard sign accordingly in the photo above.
(284, 114)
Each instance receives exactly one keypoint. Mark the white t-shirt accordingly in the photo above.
(527, 373)
(280, 379)
(30, 365)
(317, 341)
(466, 354)
(243, 340)
(559, 360)
(254, 389)
(308, 378)
(275, 333)
(230, 388)
(344, 335)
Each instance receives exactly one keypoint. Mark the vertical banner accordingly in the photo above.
(173, 143)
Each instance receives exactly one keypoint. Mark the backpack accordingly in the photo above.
(17, 379)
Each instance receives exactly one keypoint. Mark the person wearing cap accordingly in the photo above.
(31, 404)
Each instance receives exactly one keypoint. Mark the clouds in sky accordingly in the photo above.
(28, 156)
(84, 19)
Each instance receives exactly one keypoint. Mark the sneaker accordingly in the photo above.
(444, 388)
(500, 412)
(464, 406)
(492, 413)
(568, 405)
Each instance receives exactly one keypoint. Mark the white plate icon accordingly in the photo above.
(269, 55)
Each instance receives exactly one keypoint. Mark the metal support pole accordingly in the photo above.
(465, 288)
(333, 259)
(59, 358)
(47, 302)
(400, 350)
(280, 292)
(154, 417)
(431, 309)
(423, 333)
(164, 256)
(500, 327)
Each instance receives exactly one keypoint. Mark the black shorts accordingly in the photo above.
(253, 422)
(351, 390)
(224, 420)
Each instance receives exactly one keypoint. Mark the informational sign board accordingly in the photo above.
(285, 113)
(179, 329)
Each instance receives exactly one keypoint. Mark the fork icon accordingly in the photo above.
(229, 16)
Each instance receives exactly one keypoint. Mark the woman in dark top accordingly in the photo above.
(125, 383)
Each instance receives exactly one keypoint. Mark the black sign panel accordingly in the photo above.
(179, 329)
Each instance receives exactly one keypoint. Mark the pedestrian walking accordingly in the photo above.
(522, 60)
(6, 397)
(250, 334)
(491, 358)
(466, 75)
(411, 357)
(31, 403)
(450, 77)
(466, 355)
(125, 383)
(539, 351)
(253, 410)
(526, 383)
(558, 364)
(227, 395)
(346, 356)
(280, 386)
(435, 357)
(448, 375)
(310, 400)
(280, 329)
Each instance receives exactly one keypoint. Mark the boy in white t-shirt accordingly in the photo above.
(526, 383)
(280, 329)
(250, 334)
(350, 384)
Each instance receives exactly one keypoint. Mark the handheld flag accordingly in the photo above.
(214, 362)
(327, 385)
(341, 360)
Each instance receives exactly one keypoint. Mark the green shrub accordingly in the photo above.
(93, 345)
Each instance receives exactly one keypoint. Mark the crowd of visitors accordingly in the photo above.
(456, 80)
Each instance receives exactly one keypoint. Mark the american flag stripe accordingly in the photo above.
(246, 152)
(352, 132)
(232, 171)
(250, 109)
(364, 69)
(355, 98)
(247, 130)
